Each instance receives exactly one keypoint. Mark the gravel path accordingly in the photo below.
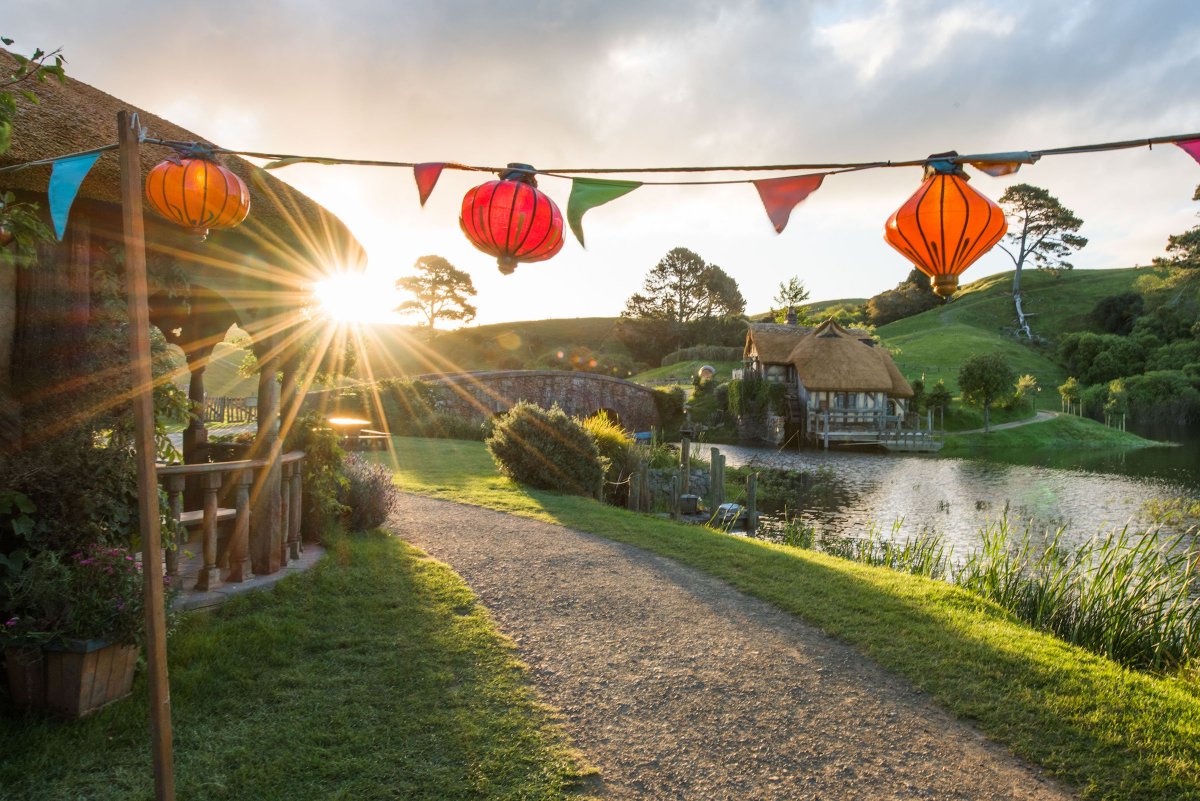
(677, 686)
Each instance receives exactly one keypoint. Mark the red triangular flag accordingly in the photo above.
(781, 195)
(427, 175)
(1192, 146)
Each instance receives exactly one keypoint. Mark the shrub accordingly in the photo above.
(616, 450)
(669, 403)
(938, 396)
(1116, 314)
(1096, 358)
(323, 476)
(368, 494)
(546, 450)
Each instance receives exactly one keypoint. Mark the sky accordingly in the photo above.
(618, 83)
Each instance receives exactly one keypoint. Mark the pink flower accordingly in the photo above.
(12, 621)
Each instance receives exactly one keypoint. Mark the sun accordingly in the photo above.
(357, 298)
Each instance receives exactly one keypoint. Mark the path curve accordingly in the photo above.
(1040, 417)
(677, 686)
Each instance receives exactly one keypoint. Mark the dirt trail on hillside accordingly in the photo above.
(677, 686)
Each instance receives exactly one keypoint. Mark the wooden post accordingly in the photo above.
(296, 543)
(714, 469)
(209, 578)
(826, 429)
(685, 464)
(266, 536)
(675, 496)
(239, 546)
(285, 509)
(752, 503)
(175, 487)
(143, 438)
(721, 480)
(644, 500)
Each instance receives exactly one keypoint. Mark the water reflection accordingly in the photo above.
(957, 497)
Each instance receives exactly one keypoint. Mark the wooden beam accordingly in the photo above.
(143, 437)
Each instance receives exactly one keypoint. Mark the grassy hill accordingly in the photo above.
(981, 319)
(682, 372)
(221, 377)
(404, 350)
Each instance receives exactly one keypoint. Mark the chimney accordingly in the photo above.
(791, 316)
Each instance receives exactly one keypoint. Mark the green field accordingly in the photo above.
(981, 319)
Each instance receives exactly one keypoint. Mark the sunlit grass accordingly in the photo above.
(1111, 732)
(375, 675)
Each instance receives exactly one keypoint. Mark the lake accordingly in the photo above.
(1085, 492)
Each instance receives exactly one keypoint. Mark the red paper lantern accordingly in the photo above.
(512, 220)
(945, 226)
(197, 193)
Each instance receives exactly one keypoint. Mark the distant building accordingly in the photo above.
(841, 387)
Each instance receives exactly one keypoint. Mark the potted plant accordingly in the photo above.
(72, 627)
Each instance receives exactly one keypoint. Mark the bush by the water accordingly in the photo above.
(546, 449)
(368, 495)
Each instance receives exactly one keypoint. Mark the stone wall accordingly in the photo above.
(483, 395)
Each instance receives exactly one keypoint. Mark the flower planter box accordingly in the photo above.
(72, 679)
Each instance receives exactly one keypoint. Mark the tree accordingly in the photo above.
(1184, 249)
(1069, 391)
(791, 294)
(984, 380)
(683, 288)
(440, 291)
(1040, 228)
(910, 297)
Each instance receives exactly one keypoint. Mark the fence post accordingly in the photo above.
(752, 503)
(714, 474)
(685, 463)
(675, 496)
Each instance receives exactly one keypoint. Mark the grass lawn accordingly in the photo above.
(1064, 431)
(1110, 732)
(375, 675)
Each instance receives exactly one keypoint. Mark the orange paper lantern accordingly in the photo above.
(945, 226)
(198, 194)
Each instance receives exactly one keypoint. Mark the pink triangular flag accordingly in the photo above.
(1192, 146)
(427, 175)
(781, 195)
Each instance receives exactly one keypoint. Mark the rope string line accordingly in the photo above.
(279, 160)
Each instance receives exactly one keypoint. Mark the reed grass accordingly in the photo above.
(923, 555)
(1131, 596)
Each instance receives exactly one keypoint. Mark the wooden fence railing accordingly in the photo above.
(224, 483)
(230, 410)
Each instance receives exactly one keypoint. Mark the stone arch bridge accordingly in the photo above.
(481, 395)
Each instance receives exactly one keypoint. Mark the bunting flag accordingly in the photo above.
(290, 160)
(65, 179)
(781, 195)
(1191, 147)
(588, 193)
(427, 175)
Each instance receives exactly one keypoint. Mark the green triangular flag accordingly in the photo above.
(588, 193)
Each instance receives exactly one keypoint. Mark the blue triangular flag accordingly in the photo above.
(65, 179)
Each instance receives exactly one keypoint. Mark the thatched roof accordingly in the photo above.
(773, 342)
(832, 359)
(285, 229)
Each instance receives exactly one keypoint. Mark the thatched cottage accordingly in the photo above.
(835, 377)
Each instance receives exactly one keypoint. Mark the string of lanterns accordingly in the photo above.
(942, 229)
